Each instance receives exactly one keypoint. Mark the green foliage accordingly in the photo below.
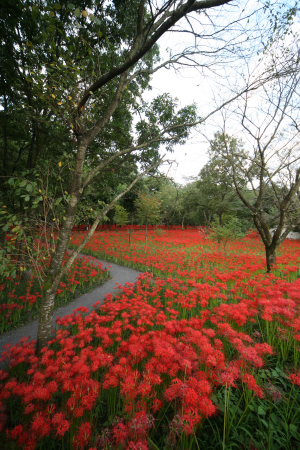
(148, 209)
(49, 49)
(8, 259)
(162, 116)
(27, 191)
(14, 251)
(28, 220)
(21, 297)
(231, 230)
(121, 216)
(251, 422)
(281, 15)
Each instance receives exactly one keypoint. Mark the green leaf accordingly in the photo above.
(294, 430)
(261, 411)
(275, 419)
(266, 424)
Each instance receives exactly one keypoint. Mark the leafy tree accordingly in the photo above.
(170, 196)
(121, 215)
(73, 78)
(148, 210)
(217, 194)
(226, 232)
(271, 166)
(191, 209)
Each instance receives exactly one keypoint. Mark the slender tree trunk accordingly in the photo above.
(51, 285)
(55, 271)
(182, 223)
(220, 219)
(5, 138)
(45, 329)
(129, 236)
(270, 257)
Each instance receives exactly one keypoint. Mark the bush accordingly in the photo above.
(231, 230)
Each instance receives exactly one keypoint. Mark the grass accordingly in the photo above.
(202, 352)
(20, 298)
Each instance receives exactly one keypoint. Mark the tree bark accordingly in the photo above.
(5, 138)
(270, 257)
(55, 272)
(220, 219)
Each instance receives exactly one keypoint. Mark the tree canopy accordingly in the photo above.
(76, 131)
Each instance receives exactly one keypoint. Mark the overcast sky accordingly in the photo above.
(187, 87)
(203, 87)
(194, 85)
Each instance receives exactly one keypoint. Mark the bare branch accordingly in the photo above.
(145, 40)
(102, 215)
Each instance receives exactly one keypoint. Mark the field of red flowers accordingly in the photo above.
(203, 352)
(20, 298)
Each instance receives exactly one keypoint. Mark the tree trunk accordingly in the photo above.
(182, 223)
(51, 285)
(55, 271)
(45, 330)
(220, 219)
(270, 257)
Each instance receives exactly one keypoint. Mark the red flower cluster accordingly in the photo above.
(161, 349)
(15, 306)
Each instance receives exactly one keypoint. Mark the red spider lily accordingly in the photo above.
(163, 347)
(83, 271)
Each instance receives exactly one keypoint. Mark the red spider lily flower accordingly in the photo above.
(252, 384)
(83, 436)
(60, 423)
(41, 426)
(295, 378)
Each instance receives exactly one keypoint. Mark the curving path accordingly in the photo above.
(119, 276)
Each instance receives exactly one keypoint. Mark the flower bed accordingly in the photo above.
(20, 299)
(205, 357)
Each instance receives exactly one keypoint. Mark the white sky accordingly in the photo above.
(185, 86)
(190, 86)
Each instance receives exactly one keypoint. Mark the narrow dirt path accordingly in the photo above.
(119, 275)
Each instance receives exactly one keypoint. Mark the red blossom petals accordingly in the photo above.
(163, 346)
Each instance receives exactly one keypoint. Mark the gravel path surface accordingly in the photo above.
(119, 275)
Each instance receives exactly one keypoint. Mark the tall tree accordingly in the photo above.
(270, 163)
(148, 210)
(78, 69)
(216, 190)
